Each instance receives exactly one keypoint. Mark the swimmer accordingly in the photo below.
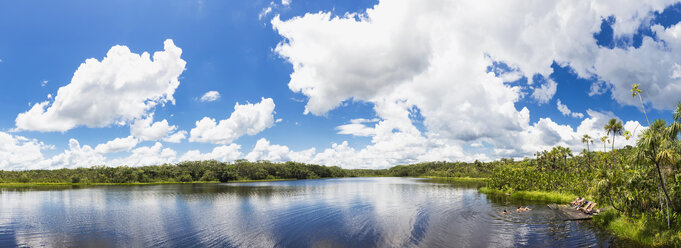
(520, 209)
(527, 208)
(504, 212)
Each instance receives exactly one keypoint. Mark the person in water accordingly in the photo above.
(527, 208)
(520, 209)
(504, 212)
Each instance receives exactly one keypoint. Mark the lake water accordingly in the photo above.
(345, 212)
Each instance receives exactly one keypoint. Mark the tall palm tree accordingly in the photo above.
(585, 139)
(675, 127)
(615, 127)
(635, 91)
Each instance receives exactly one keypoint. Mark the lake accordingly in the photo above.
(344, 212)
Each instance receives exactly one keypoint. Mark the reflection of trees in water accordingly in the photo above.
(169, 189)
(455, 183)
(39, 188)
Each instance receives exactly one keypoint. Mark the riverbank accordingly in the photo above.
(640, 230)
(458, 179)
(554, 197)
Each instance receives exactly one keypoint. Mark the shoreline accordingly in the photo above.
(622, 227)
(553, 197)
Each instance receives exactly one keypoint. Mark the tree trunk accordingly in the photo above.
(643, 108)
(664, 188)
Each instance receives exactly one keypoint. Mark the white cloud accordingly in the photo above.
(598, 88)
(652, 65)
(43, 83)
(263, 150)
(147, 155)
(117, 145)
(18, 153)
(136, 82)
(264, 12)
(434, 56)
(566, 111)
(147, 129)
(210, 96)
(246, 119)
(285, 2)
(176, 137)
(545, 92)
(357, 128)
(76, 156)
(225, 153)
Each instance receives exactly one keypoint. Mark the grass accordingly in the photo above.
(555, 197)
(641, 230)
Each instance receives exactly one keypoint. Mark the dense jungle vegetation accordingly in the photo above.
(191, 171)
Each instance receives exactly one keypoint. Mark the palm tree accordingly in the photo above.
(635, 91)
(585, 139)
(615, 127)
(604, 139)
(675, 127)
(655, 145)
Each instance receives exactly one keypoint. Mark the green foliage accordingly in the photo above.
(185, 178)
(555, 197)
(191, 171)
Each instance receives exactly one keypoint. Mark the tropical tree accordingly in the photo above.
(627, 135)
(615, 127)
(605, 140)
(636, 91)
(586, 139)
(656, 145)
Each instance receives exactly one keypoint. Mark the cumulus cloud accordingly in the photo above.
(147, 129)
(136, 82)
(76, 156)
(177, 137)
(147, 155)
(545, 92)
(117, 145)
(263, 150)
(210, 96)
(435, 56)
(652, 65)
(246, 119)
(566, 111)
(224, 153)
(18, 152)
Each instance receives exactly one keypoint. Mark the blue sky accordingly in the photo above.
(359, 84)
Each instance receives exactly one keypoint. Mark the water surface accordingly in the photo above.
(346, 212)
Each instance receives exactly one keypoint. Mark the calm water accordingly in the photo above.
(349, 212)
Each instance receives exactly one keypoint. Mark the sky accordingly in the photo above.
(356, 84)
